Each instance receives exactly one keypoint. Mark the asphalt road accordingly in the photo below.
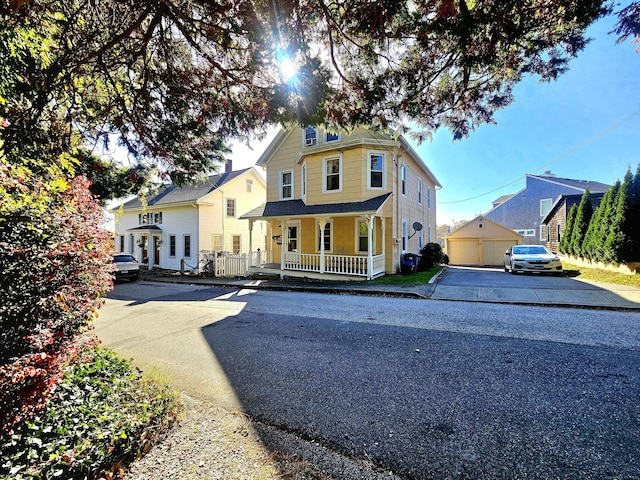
(428, 390)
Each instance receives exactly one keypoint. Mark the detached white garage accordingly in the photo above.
(480, 242)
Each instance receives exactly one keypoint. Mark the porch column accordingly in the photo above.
(251, 220)
(370, 219)
(384, 242)
(285, 241)
(322, 224)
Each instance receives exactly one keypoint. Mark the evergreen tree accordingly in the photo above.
(616, 238)
(629, 249)
(589, 246)
(581, 224)
(565, 241)
(602, 229)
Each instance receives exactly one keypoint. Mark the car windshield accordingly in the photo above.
(530, 250)
(123, 258)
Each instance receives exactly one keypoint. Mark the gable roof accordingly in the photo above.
(467, 230)
(581, 185)
(172, 194)
(284, 133)
(297, 208)
(575, 198)
(578, 185)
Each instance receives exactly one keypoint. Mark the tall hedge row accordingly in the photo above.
(611, 234)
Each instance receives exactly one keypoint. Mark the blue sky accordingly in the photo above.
(564, 126)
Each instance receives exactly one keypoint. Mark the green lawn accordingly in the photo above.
(408, 279)
(599, 275)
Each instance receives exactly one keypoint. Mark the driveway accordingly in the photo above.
(494, 285)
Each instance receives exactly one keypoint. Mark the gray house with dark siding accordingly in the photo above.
(525, 210)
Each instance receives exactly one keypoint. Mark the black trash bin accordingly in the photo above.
(409, 263)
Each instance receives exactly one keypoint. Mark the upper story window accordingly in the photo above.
(286, 185)
(403, 175)
(545, 206)
(231, 207)
(429, 197)
(330, 137)
(310, 137)
(249, 185)
(420, 191)
(150, 218)
(332, 173)
(376, 170)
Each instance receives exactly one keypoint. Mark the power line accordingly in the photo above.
(555, 160)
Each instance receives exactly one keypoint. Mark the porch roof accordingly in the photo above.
(145, 228)
(297, 208)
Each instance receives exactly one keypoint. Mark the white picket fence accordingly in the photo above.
(225, 264)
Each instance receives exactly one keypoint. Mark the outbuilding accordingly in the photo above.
(480, 242)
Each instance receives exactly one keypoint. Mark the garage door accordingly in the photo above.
(464, 251)
(494, 250)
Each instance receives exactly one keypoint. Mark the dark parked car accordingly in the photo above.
(531, 258)
(127, 266)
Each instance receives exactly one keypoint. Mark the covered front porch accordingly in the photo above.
(347, 241)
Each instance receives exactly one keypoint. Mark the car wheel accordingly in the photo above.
(512, 271)
(506, 270)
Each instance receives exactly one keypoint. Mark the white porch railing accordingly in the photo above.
(356, 265)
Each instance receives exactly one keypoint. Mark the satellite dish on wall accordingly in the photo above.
(417, 226)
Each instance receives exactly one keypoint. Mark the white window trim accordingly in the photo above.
(526, 232)
(384, 170)
(235, 207)
(547, 201)
(330, 250)
(420, 191)
(329, 132)
(324, 174)
(184, 244)
(421, 239)
(175, 240)
(281, 185)
(403, 179)
(304, 138)
(357, 237)
(544, 233)
(298, 225)
(429, 199)
(405, 236)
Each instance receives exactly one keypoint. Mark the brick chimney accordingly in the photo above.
(228, 167)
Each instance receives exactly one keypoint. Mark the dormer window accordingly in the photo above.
(331, 137)
(310, 137)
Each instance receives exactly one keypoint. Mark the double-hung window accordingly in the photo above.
(376, 170)
(330, 137)
(286, 185)
(172, 245)
(332, 173)
(428, 197)
(403, 175)
(310, 137)
(420, 191)
(187, 246)
(363, 235)
(231, 207)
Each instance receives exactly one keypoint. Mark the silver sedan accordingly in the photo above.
(531, 258)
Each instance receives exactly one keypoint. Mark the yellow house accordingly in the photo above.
(344, 204)
(480, 242)
(176, 228)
